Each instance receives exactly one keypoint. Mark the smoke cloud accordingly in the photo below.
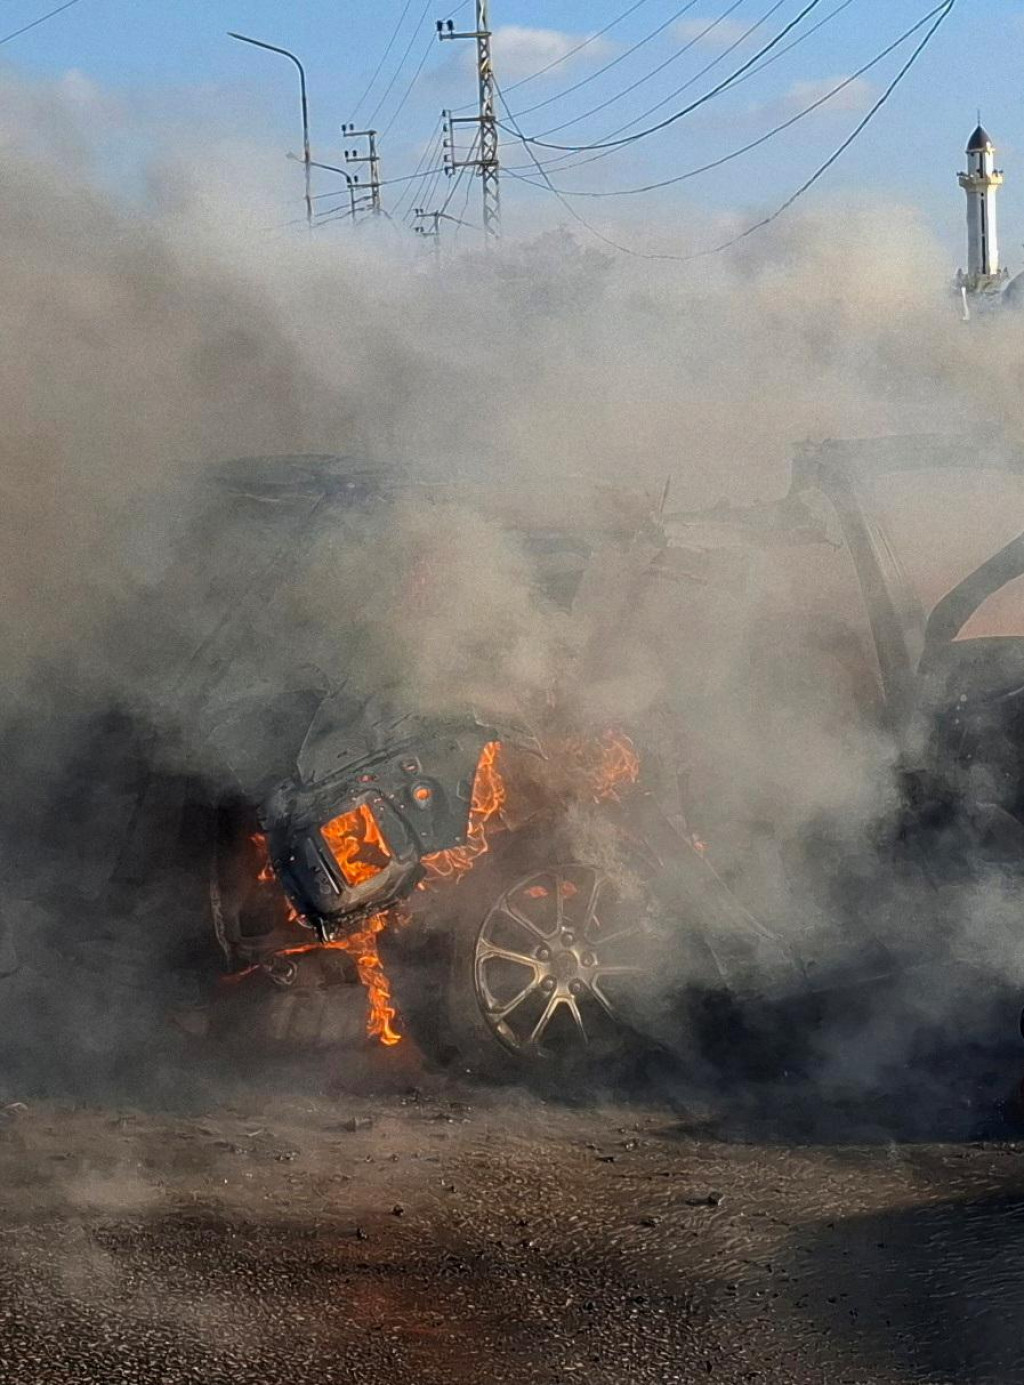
(144, 344)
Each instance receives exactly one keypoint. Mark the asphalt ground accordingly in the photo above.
(384, 1227)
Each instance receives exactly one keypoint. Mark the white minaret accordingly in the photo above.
(981, 182)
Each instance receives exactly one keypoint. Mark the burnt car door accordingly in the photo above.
(915, 512)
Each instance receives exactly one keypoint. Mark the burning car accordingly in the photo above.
(522, 886)
(519, 891)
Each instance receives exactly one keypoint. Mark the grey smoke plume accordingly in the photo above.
(141, 347)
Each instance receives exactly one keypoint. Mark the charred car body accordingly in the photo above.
(517, 890)
(517, 943)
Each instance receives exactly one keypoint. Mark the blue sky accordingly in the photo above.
(174, 56)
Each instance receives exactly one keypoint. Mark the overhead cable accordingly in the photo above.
(694, 105)
(36, 22)
(560, 162)
(938, 17)
(674, 57)
(464, 169)
(431, 45)
(944, 12)
(431, 150)
(621, 57)
(383, 59)
(571, 53)
(401, 63)
(770, 134)
(408, 91)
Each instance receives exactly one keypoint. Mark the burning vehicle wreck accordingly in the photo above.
(632, 849)
(538, 940)
(538, 887)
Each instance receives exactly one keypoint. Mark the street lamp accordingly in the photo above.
(307, 161)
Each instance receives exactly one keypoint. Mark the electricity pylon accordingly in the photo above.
(487, 144)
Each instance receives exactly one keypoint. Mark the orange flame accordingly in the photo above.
(486, 803)
(361, 946)
(617, 766)
(265, 875)
(608, 763)
(357, 844)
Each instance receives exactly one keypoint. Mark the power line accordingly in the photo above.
(455, 184)
(592, 38)
(36, 22)
(431, 151)
(383, 58)
(823, 168)
(437, 216)
(465, 208)
(625, 250)
(621, 57)
(426, 195)
(770, 134)
(753, 72)
(384, 182)
(416, 75)
(408, 91)
(686, 110)
(571, 53)
(560, 163)
(674, 57)
(939, 15)
(402, 61)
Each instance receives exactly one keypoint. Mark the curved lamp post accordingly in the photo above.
(306, 160)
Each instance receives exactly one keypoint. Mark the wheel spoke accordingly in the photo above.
(566, 968)
(623, 970)
(546, 1016)
(591, 910)
(502, 1011)
(602, 999)
(631, 930)
(485, 951)
(574, 1010)
(513, 913)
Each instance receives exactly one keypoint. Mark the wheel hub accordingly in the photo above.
(564, 966)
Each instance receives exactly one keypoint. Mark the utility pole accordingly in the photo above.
(353, 156)
(434, 234)
(486, 120)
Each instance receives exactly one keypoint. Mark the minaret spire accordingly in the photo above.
(981, 182)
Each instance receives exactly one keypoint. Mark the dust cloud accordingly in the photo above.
(146, 342)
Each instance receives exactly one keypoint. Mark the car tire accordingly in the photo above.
(525, 987)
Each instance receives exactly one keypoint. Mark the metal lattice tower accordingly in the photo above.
(487, 160)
